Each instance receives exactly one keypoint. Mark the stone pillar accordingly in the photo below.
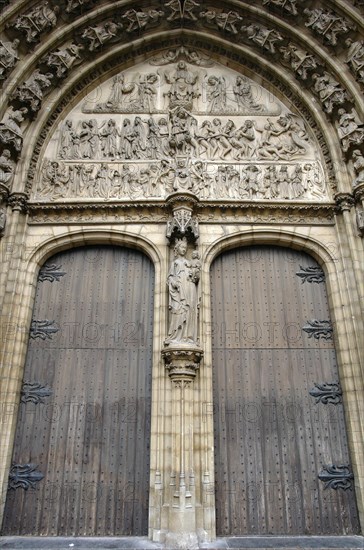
(182, 355)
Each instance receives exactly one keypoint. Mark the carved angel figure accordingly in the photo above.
(8, 56)
(243, 94)
(265, 38)
(300, 60)
(182, 9)
(183, 280)
(226, 21)
(62, 60)
(7, 168)
(99, 35)
(33, 89)
(140, 19)
(355, 58)
(330, 92)
(350, 131)
(216, 93)
(10, 130)
(358, 164)
(37, 21)
(288, 5)
(328, 24)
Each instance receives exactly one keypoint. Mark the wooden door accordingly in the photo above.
(84, 420)
(272, 346)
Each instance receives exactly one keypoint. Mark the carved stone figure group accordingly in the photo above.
(181, 87)
(180, 133)
(159, 179)
(37, 21)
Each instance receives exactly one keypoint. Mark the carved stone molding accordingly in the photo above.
(182, 363)
(344, 202)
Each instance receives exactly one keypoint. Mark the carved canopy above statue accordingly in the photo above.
(181, 122)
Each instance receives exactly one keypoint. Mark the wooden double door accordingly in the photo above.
(282, 464)
(81, 454)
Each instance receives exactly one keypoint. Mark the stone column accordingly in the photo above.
(182, 355)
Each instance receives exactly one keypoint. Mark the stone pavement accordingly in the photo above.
(142, 543)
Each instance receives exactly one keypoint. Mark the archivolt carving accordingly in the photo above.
(171, 53)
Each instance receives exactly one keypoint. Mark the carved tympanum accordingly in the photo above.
(181, 123)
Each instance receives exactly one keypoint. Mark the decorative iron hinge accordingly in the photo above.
(327, 393)
(319, 329)
(337, 477)
(311, 274)
(51, 273)
(34, 392)
(42, 329)
(24, 476)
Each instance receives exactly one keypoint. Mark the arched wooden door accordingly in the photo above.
(84, 419)
(280, 439)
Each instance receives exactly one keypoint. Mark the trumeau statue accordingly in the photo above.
(183, 281)
(181, 123)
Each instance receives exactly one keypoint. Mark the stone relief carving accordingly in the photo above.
(40, 19)
(355, 58)
(295, 181)
(262, 36)
(350, 130)
(8, 56)
(183, 281)
(182, 9)
(99, 35)
(358, 164)
(31, 93)
(62, 60)
(290, 6)
(137, 20)
(181, 126)
(2, 221)
(7, 168)
(328, 24)
(330, 92)
(79, 5)
(225, 21)
(11, 134)
(299, 60)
